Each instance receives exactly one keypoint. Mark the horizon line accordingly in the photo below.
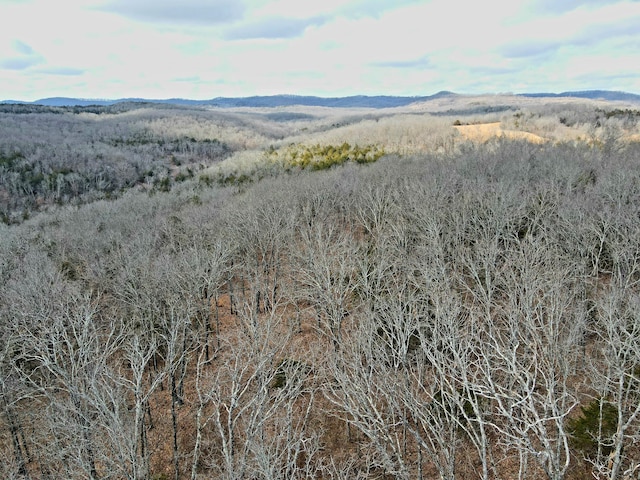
(323, 97)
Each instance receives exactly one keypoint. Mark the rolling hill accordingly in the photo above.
(355, 101)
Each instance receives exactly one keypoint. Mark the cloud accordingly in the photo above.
(64, 71)
(194, 12)
(526, 49)
(329, 47)
(191, 79)
(273, 28)
(591, 35)
(418, 63)
(606, 31)
(375, 8)
(485, 71)
(350, 9)
(26, 57)
(22, 48)
(556, 7)
(20, 63)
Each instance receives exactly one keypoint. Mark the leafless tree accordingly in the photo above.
(326, 276)
(616, 379)
(254, 403)
(532, 348)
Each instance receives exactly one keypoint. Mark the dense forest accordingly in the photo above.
(192, 293)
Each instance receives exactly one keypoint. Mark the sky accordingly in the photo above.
(202, 49)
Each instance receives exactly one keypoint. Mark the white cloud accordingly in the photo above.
(190, 12)
(208, 48)
(273, 27)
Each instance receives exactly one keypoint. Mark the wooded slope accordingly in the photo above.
(466, 312)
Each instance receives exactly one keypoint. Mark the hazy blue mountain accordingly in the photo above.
(71, 102)
(379, 101)
(591, 94)
(363, 101)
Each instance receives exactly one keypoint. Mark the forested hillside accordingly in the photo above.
(191, 294)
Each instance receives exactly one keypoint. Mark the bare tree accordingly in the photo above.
(616, 380)
(358, 389)
(609, 232)
(326, 276)
(260, 228)
(254, 404)
(138, 382)
(12, 394)
(530, 356)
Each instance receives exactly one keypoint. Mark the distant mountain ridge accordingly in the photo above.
(361, 101)
(590, 94)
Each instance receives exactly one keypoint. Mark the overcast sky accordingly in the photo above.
(203, 49)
